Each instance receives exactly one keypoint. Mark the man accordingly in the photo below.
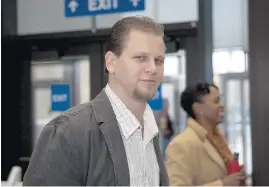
(113, 140)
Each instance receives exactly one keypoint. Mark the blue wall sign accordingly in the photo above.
(60, 97)
(156, 103)
(74, 8)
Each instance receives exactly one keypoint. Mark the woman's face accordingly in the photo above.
(212, 107)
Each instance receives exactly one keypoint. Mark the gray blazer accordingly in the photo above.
(83, 146)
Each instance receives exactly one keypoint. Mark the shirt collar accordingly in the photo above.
(127, 121)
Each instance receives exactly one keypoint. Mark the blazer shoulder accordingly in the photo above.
(77, 120)
(186, 138)
(59, 155)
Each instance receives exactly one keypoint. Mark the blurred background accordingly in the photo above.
(53, 59)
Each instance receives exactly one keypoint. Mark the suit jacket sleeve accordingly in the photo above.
(181, 170)
(56, 160)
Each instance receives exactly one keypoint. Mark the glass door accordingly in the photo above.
(170, 93)
(174, 83)
(72, 71)
(237, 129)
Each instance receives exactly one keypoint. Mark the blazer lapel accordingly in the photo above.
(210, 150)
(117, 151)
(163, 172)
(109, 127)
(214, 154)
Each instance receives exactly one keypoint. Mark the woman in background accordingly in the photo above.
(200, 155)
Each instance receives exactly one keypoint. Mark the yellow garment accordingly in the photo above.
(191, 158)
(218, 141)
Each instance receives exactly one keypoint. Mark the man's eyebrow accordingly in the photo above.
(140, 53)
(161, 57)
(145, 53)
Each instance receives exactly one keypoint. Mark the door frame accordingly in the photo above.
(174, 82)
(224, 79)
(69, 77)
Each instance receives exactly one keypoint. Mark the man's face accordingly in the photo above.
(139, 69)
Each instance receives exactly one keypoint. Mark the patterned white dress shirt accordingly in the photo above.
(140, 151)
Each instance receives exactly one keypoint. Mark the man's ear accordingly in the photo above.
(110, 59)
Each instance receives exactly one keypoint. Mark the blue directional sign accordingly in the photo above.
(156, 103)
(74, 8)
(60, 97)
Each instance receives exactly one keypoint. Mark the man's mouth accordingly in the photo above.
(149, 81)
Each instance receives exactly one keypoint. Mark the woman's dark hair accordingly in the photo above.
(194, 94)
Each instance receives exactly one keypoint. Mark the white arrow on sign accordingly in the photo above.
(73, 5)
(135, 2)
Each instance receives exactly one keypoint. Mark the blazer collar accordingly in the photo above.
(108, 125)
(198, 129)
(102, 108)
(210, 150)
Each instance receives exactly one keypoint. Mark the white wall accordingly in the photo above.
(46, 16)
(164, 11)
(229, 18)
(230, 26)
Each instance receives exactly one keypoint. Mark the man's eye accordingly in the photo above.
(140, 58)
(159, 61)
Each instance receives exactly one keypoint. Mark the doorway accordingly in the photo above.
(174, 82)
(71, 71)
(237, 124)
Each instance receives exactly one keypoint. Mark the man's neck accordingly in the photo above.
(135, 106)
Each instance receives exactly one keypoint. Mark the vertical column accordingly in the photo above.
(26, 100)
(97, 78)
(11, 93)
(16, 104)
(199, 49)
(259, 88)
(11, 143)
(26, 112)
(9, 17)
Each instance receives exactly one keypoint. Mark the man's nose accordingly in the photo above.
(151, 67)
